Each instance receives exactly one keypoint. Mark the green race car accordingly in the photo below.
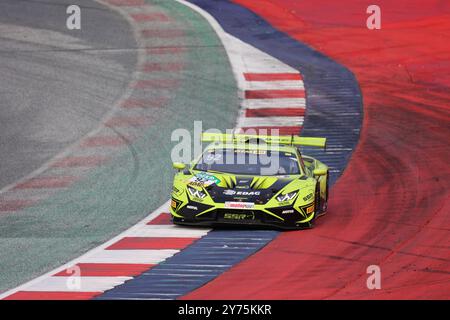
(251, 180)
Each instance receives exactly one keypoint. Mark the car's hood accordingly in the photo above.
(223, 187)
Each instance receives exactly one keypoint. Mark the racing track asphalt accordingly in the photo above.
(390, 208)
(409, 241)
(56, 84)
(111, 179)
(333, 110)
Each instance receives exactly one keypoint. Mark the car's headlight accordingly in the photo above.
(287, 197)
(196, 193)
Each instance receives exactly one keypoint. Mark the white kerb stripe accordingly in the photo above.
(259, 62)
(270, 121)
(274, 85)
(137, 256)
(130, 256)
(70, 284)
(168, 231)
(273, 103)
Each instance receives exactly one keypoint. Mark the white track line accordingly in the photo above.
(274, 103)
(84, 284)
(87, 256)
(244, 59)
(169, 231)
(269, 121)
(153, 256)
(273, 85)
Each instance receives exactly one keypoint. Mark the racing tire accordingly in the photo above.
(324, 205)
(317, 203)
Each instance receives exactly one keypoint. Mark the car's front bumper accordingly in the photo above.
(247, 218)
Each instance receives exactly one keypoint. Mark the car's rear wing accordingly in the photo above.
(269, 139)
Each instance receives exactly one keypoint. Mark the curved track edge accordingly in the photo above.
(334, 110)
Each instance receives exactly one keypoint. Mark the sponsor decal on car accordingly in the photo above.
(239, 205)
(175, 204)
(307, 197)
(229, 192)
(239, 216)
(250, 151)
(203, 179)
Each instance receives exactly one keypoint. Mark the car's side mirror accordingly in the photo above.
(320, 172)
(179, 166)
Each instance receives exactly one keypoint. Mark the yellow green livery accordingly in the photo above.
(251, 180)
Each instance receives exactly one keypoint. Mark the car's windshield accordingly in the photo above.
(249, 162)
